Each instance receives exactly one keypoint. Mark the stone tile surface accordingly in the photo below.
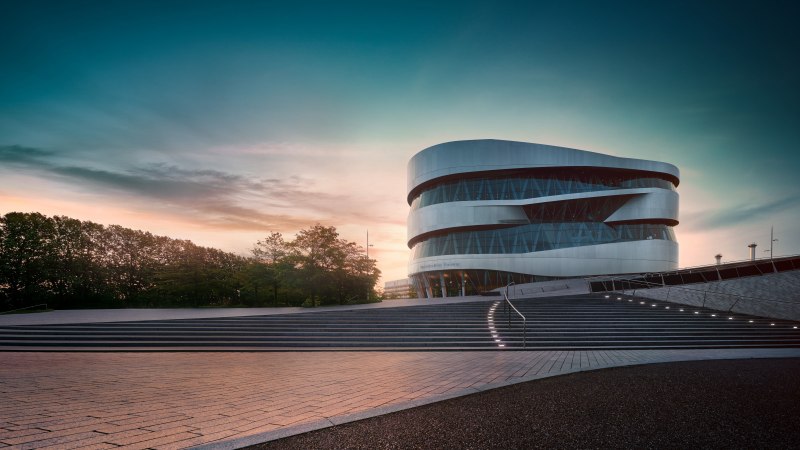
(224, 400)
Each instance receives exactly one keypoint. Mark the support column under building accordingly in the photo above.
(418, 287)
(427, 284)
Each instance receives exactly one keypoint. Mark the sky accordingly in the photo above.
(221, 122)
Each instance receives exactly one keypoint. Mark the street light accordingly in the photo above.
(771, 239)
(368, 246)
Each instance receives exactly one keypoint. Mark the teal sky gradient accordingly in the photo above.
(222, 121)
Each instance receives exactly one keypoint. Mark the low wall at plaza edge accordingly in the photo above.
(775, 295)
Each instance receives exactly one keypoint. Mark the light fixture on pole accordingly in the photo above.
(368, 246)
(771, 239)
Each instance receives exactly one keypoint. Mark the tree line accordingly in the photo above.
(69, 263)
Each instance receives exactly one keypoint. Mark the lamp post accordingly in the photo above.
(368, 246)
(771, 239)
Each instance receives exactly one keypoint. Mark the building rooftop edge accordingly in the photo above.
(475, 155)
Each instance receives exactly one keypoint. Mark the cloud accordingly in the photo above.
(17, 154)
(739, 214)
(215, 198)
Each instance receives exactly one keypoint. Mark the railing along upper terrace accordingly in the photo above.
(623, 283)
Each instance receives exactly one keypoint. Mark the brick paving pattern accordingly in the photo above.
(224, 400)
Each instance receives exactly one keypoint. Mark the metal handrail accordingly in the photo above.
(690, 268)
(508, 303)
(27, 307)
(678, 286)
(738, 261)
(705, 292)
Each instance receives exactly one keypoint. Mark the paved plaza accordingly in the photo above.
(229, 399)
(226, 400)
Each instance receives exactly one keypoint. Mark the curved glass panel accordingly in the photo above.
(453, 283)
(538, 237)
(524, 187)
(596, 209)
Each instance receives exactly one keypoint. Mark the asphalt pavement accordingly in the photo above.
(752, 403)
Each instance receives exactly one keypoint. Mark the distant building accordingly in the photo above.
(399, 289)
(488, 212)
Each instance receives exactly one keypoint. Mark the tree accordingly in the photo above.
(271, 266)
(72, 264)
(362, 270)
(329, 269)
(314, 254)
(27, 258)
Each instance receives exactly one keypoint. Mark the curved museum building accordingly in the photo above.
(488, 212)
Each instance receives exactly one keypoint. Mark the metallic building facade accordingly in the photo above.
(488, 212)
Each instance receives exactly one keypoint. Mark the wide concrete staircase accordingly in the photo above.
(625, 322)
(575, 322)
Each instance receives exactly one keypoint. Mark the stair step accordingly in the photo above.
(576, 322)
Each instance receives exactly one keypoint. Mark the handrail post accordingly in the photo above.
(730, 308)
(508, 308)
(511, 306)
